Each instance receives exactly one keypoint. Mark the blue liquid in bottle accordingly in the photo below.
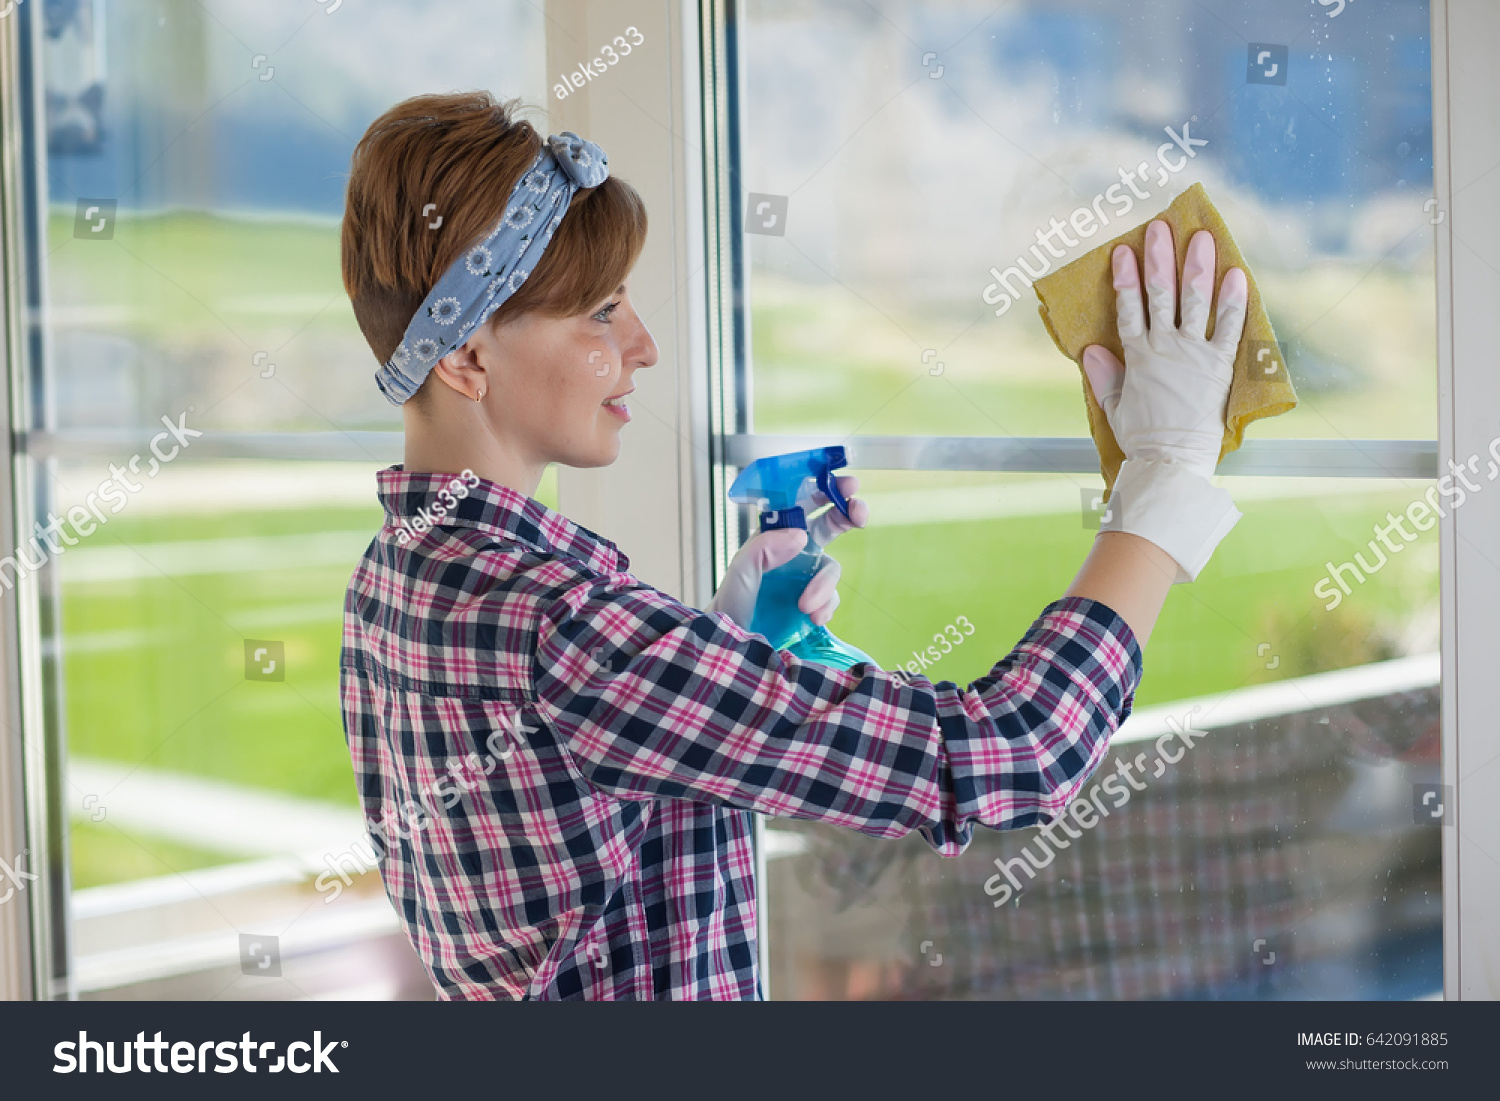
(782, 482)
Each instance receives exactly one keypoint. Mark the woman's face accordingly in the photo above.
(556, 387)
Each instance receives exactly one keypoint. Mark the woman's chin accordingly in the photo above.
(610, 440)
(602, 453)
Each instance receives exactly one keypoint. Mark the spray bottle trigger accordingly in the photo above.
(830, 487)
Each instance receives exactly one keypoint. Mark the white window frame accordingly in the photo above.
(1466, 171)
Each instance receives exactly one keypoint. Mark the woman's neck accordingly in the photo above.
(455, 442)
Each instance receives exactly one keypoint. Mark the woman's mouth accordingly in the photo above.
(617, 406)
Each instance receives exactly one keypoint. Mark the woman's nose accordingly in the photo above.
(643, 351)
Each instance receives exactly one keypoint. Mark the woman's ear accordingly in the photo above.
(461, 371)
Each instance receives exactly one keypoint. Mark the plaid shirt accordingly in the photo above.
(558, 763)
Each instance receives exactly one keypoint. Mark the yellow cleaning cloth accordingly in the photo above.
(1078, 308)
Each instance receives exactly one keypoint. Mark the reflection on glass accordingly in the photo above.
(1277, 858)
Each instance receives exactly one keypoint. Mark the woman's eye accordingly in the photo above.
(603, 315)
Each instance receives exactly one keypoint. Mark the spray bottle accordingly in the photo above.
(782, 486)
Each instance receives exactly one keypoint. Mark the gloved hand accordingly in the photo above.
(769, 549)
(1167, 404)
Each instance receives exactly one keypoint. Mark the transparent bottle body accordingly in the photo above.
(786, 627)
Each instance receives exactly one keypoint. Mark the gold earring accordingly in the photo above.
(479, 396)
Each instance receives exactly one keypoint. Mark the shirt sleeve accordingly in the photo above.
(656, 700)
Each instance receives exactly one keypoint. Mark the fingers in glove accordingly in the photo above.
(1234, 299)
(1128, 308)
(1161, 276)
(1197, 284)
(824, 615)
(1106, 375)
(821, 596)
(770, 549)
(848, 486)
(741, 583)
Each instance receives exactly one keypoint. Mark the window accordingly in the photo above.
(1281, 856)
(193, 179)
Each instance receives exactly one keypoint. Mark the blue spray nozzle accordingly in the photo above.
(779, 484)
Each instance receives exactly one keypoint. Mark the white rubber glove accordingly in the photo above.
(769, 549)
(1166, 404)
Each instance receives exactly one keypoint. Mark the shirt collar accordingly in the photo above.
(414, 502)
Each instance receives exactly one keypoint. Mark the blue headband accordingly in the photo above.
(479, 282)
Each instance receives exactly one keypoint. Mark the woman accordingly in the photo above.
(557, 762)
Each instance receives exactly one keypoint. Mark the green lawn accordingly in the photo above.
(105, 854)
(187, 274)
(173, 694)
(902, 585)
(176, 697)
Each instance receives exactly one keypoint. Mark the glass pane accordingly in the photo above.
(1294, 850)
(948, 136)
(197, 155)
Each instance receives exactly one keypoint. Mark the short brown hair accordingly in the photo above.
(459, 156)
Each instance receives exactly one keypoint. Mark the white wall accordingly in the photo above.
(643, 111)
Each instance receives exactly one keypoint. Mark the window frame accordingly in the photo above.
(1466, 154)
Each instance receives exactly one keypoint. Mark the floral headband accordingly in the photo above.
(479, 282)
